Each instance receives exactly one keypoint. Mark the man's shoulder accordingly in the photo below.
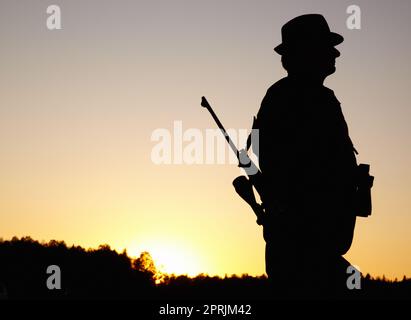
(282, 86)
(280, 93)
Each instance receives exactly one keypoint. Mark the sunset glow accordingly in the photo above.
(79, 106)
(176, 259)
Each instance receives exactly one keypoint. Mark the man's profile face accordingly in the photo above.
(321, 60)
(315, 60)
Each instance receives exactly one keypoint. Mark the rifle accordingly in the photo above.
(243, 185)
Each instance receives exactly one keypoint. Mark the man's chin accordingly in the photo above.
(331, 70)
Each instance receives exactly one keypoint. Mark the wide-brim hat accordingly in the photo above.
(307, 30)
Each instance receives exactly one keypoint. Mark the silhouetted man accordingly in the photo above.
(309, 165)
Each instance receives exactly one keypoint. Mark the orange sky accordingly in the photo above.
(79, 105)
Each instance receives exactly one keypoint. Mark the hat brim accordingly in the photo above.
(333, 39)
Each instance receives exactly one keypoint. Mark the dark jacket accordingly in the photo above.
(307, 157)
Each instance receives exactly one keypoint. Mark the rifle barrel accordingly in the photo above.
(206, 105)
(252, 171)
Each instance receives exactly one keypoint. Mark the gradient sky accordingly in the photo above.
(79, 105)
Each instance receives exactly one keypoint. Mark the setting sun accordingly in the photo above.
(175, 258)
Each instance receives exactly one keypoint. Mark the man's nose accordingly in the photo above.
(336, 53)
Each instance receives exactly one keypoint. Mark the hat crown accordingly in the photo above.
(308, 24)
(307, 29)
